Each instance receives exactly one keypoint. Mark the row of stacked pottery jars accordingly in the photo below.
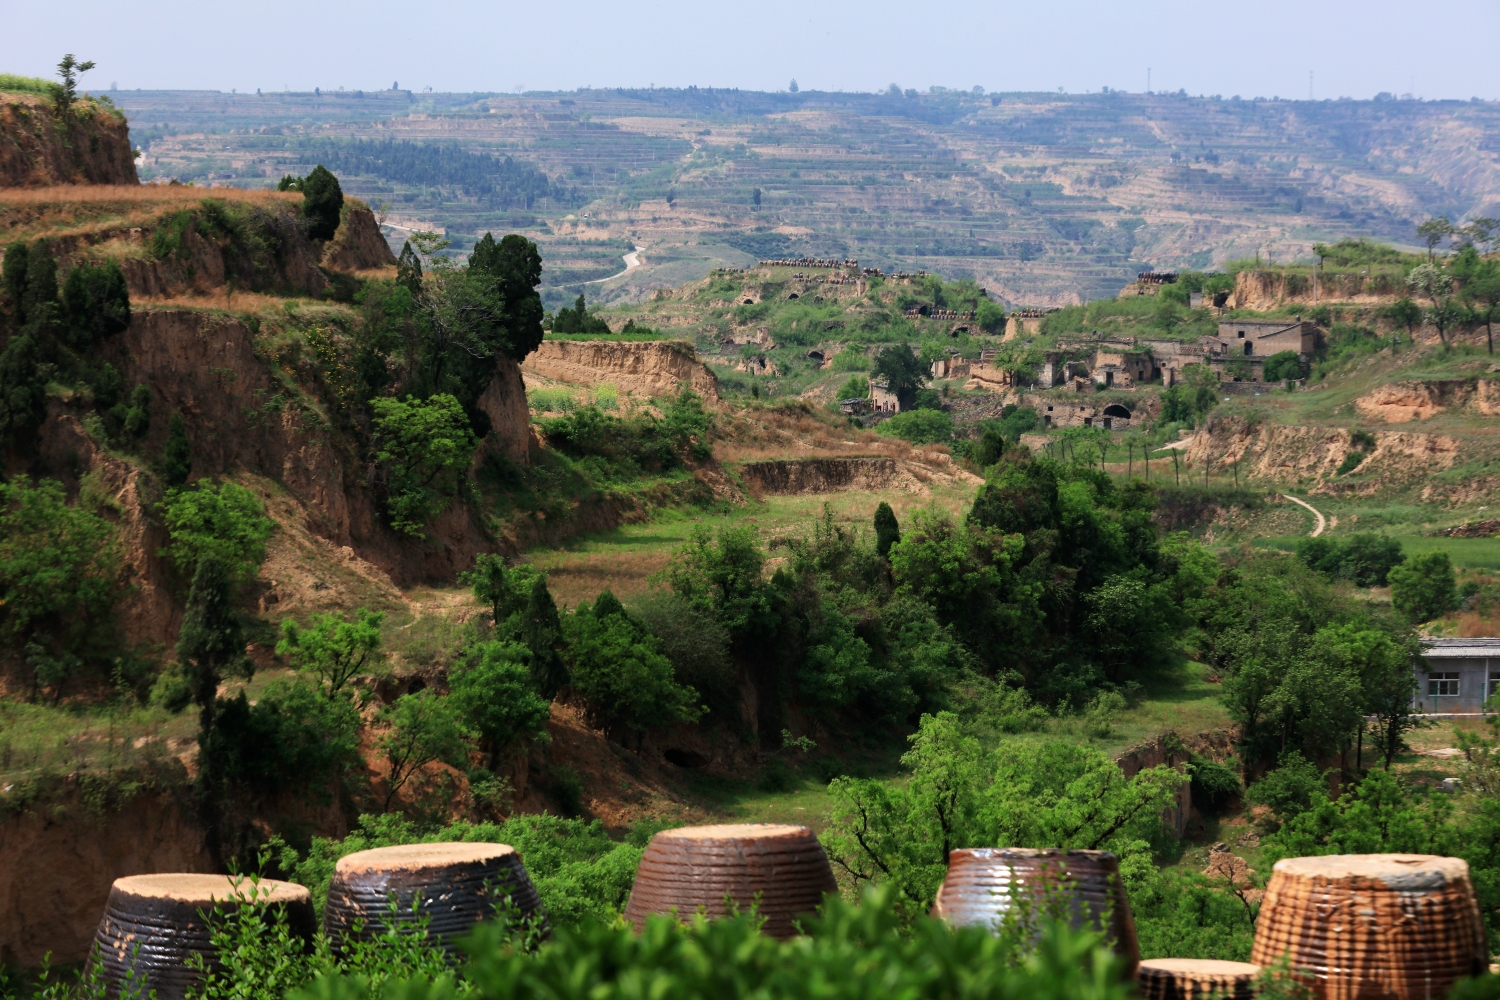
(1372, 926)
(780, 871)
(987, 887)
(154, 935)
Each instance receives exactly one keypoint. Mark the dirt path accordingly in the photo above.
(1321, 521)
(632, 261)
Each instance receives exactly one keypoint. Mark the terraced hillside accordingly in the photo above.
(1046, 199)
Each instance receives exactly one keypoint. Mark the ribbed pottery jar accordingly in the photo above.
(986, 885)
(1372, 926)
(1196, 979)
(154, 924)
(453, 885)
(780, 870)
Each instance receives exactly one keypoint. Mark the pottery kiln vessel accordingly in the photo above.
(453, 885)
(988, 885)
(779, 870)
(153, 925)
(1372, 926)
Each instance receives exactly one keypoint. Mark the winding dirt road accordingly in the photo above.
(1321, 522)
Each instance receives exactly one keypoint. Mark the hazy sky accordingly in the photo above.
(1260, 49)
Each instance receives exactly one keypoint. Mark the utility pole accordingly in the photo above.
(1148, 79)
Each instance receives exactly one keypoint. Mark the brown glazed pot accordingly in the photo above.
(1372, 926)
(454, 885)
(1196, 979)
(780, 870)
(153, 924)
(984, 884)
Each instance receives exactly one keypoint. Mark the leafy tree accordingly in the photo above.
(696, 643)
(903, 372)
(918, 426)
(1282, 365)
(291, 739)
(24, 374)
(578, 320)
(40, 294)
(990, 316)
(424, 729)
(66, 92)
(990, 447)
(425, 449)
(755, 197)
(1436, 285)
(59, 567)
(333, 650)
(887, 530)
(1480, 289)
(491, 685)
(322, 203)
(963, 794)
(505, 590)
(1365, 559)
(1434, 231)
(618, 670)
(176, 456)
(1424, 587)
(1406, 313)
(211, 643)
(857, 387)
(227, 522)
(95, 303)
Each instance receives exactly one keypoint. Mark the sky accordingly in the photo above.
(1264, 49)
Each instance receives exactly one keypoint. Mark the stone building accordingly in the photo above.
(1457, 676)
(1245, 339)
(882, 400)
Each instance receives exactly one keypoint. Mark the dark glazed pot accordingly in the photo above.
(1372, 926)
(1197, 979)
(153, 924)
(780, 870)
(985, 884)
(454, 885)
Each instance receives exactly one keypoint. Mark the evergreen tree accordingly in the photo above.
(542, 633)
(176, 459)
(409, 270)
(322, 202)
(508, 273)
(40, 293)
(887, 531)
(23, 391)
(13, 278)
(211, 644)
(95, 303)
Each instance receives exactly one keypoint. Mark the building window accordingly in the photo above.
(1494, 685)
(1442, 685)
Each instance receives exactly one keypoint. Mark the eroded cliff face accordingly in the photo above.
(60, 865)
(358, 245)
(1267, 290)
(643, 369)
(1289, 452)
(504, 402)
(93, 148)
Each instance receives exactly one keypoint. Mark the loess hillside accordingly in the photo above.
(1045, 199)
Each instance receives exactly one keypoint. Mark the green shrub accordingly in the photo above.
(1424, 587)
(1282, 365)
(59, 569)
(226, 521)
(292, 738)
(857, 387)
(1288, 789)
(619, 671)
(918, 426)
(424, 448)
(1214, 786)
(491, 686)
(1365, 559)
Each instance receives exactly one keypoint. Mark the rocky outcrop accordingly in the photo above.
(1419, 399)
(358, 245)
(504, 402)
(92, 148)
(827, 475)
(643, 368)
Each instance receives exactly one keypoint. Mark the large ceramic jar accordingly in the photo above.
(154, 925)
(1196, 979)
(452, 886)
(988, 885)
(1372, 926)
(781, 871)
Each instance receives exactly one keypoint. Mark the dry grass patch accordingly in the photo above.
(84, 209)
